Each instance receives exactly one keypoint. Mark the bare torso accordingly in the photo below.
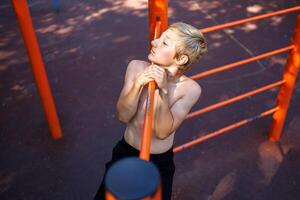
(133, 132)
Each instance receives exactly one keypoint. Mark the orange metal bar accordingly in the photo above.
(236, 64)
(147, 130)
(234, 99)
(250, 19)
(148, 118)
(40, 76)
(157, 195)
(289, 75)
(223, 130)
(109, 196)
(157, 8)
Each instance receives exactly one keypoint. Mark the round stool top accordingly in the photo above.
(132, 178)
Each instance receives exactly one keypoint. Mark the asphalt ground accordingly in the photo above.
(86, 47)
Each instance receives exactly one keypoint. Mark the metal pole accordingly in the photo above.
(250, 19)
(148, 116)
(157, 9)
(158, 22)
(234, 99)
(38, 68)
(289, 75)
(224, 130)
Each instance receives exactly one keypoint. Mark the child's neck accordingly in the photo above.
(173, 75)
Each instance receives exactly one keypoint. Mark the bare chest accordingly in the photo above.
(173, 96)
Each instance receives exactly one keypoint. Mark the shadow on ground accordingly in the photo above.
(86, 47)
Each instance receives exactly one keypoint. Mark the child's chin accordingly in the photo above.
(150, 58)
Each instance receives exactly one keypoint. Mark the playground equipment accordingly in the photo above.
(146, 135)
(158, 8)
(122, 185)
(148, 118)
(287, 83)
(38, 67)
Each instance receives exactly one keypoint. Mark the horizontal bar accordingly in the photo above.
(223, 130)
(250, 19)
(242, 62)
(234, 99)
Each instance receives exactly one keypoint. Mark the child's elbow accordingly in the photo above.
(163, 132)
(123, 118)
(161, 136)
(121, 114)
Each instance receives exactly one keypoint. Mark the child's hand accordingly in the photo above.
(144, 78)
(156, 73)
(160, 76)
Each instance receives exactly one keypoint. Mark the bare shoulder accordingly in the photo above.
(190, 88)
(137, 66)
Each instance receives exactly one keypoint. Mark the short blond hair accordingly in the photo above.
(191, 43)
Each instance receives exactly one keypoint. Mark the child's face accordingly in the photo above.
(163, 49)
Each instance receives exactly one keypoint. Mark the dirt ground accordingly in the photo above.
(86, 48)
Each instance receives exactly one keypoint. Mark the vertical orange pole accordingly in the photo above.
(289, 75)
(40, 76)
(157, 8)
(148, 117)
(157, 195)
(158, 22)
(109, 196)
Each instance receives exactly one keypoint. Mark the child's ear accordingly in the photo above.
(182, 59)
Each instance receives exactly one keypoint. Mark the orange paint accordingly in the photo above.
(223, 130)
(289, 75)
(157, 195)
(38, 68)
(109, 196)
(148, 117)
(234, 99)
(242, 62)
(148, 120)
(157, 8)
(251, 19)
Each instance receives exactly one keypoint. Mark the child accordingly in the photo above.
(172, 54)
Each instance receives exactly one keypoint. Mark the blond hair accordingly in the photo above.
(191, 43)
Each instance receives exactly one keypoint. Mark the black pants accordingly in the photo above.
(164, 162)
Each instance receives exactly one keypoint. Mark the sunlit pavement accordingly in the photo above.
(86, 47)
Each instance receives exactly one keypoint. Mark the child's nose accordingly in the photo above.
(154, 43)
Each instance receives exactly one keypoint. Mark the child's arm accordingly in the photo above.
(168, 118)
(135, 79)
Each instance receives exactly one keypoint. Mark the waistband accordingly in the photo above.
(164, 155)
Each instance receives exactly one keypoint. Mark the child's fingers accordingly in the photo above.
(156, 67)
(153, 75)
(156, 70)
